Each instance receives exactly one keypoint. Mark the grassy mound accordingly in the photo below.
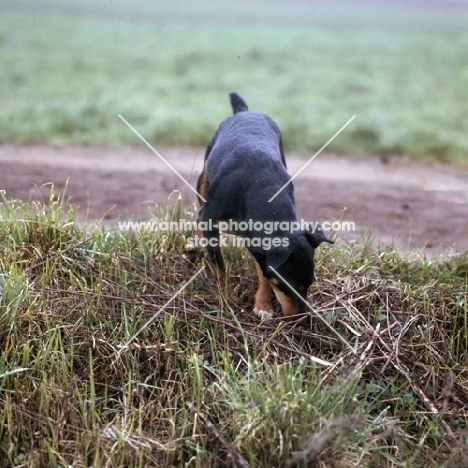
(86, 380)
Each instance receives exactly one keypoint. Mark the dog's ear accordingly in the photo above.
(316, 237)
(276, 257)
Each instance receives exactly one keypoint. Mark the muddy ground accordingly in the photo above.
(415, 204)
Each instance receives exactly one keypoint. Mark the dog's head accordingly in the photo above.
(290, 269)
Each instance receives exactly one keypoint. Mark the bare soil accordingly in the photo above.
(415, 204)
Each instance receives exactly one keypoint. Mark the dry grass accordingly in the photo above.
(206, 384)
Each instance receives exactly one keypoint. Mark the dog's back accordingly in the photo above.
(244, 168)
(243, 135)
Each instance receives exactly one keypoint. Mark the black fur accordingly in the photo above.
(237, 103)
(245, 167)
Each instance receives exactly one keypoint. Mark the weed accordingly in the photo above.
(82, 381)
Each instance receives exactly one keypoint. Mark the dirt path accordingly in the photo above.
(414, 203)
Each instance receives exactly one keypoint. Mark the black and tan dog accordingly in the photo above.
(244, 167)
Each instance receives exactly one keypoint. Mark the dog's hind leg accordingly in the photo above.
(263, 307)
(192, 250)
(214, 255)
(213, 249)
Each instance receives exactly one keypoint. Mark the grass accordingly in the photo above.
(206, 384)
(70, 69)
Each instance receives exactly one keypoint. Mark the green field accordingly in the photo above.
(84, 381)
(68, 69)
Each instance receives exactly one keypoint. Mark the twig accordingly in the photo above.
(403, 369)
(237, 458)
(280, 345)
(56, 254)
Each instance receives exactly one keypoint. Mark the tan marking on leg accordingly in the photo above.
(202, 185)
(194, 251)
(274, 281)
(263, 307)
(222, 277)
(285, 302)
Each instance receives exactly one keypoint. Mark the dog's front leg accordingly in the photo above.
(263, 307)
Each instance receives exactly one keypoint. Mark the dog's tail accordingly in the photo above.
(237, 103)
